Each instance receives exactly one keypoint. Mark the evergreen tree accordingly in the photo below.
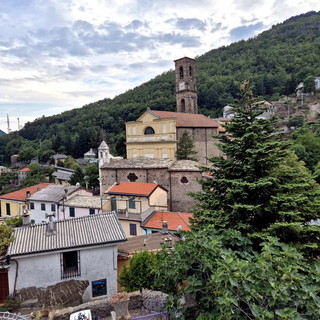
(259, 188)
(185, 147)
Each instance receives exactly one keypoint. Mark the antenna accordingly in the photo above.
(8, 123)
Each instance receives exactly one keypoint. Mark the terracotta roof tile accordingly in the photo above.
(21, 195)
(186, 120)
(24, 170)
(174, 220)
(133, 188)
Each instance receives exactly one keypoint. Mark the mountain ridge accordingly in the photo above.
(274, 62)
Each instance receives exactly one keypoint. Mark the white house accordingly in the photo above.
(80, 249)
(50, 200)
(80, 206)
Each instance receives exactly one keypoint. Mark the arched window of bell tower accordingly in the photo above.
(183, 105)
(190, 71)
(181, 72)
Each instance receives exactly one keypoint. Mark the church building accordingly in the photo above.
(155, 134)
(151, 143)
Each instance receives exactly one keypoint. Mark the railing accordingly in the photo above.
(13, 316)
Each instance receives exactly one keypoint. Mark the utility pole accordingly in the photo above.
(8, 123)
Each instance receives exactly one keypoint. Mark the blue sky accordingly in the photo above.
(57, 55)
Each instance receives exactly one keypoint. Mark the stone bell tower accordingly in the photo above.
(186, 90)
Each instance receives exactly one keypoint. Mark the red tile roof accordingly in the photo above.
(174, 220)
(21, 195)
(133, 188)
(186, 120)
(24, 170)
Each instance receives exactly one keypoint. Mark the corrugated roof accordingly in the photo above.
(53, 193)
(133, 188)
(21, 195)
(71, 233)
(187, 120)
(148, 242)
(174, 220)
(82, 201)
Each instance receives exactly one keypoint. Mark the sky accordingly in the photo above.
(56, 55)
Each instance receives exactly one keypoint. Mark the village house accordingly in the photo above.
(174, 221)
(51, 200)
(23, 173)
(80, 206)
(16, 203)
(134, 202)
(82, 249)
(179, 177)
(4, 170)
(62, 175)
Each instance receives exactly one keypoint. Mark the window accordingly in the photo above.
(32, 205)
(99, 288)
(43, 206)
(8, 209)
(91, 211)
(148, 130)
(113, 204)
(184, 180)
(183, 105)
(190, 71)
(70, 264)
(133, 229)
(72, 212)
(132, 177)
(53, 207)
(181, 72)
(132, 203)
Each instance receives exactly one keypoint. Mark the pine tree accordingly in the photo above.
(259, 188)
(185, 147)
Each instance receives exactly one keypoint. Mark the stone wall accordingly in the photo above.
(64, 293)
(204, 143)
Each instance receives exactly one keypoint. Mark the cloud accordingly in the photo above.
(188, 24)
(245, 32)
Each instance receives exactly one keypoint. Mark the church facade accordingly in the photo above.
(155, 134)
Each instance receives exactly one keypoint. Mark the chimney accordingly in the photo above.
(28, 194)
(26, 220)
(51, 226)
(165, 227)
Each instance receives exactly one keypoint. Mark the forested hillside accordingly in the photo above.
(274, 62)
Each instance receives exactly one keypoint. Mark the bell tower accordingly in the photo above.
(186, 90)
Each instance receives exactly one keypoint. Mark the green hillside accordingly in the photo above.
(274, 62)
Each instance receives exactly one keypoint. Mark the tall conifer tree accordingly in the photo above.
(259, 187)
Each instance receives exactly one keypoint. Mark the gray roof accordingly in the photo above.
(185, 165)
(52, 193)
(80, 232)
(63, 175)
(81, 201)
(139, 163)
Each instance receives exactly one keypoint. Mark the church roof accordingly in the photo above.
(139, 163)
(186, 120)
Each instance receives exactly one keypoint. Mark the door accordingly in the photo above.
(4, 285)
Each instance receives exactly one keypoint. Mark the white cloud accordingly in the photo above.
(69, 53)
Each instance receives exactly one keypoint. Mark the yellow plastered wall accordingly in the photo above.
(162, 144)
(159, 199)
(16, 208)
(126, 227)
